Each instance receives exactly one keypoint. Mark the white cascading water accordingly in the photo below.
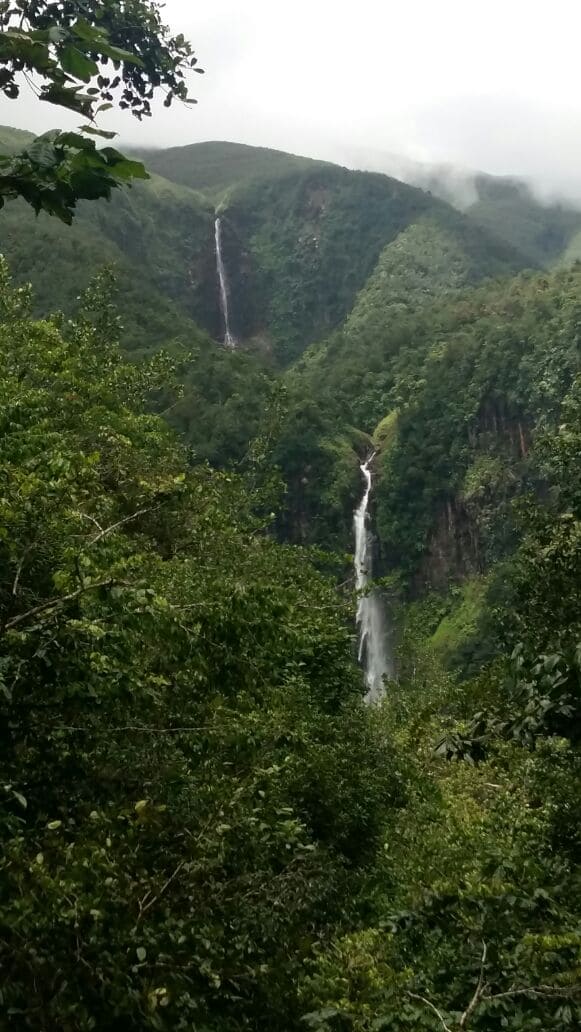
(229, 340)
(373, 652)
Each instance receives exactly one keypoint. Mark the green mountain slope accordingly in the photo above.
(506, 206)
(508, 209)
(300, 240)
(160, 238)
(457, 397)
(158, 235)
(213, 168)
(437, 257)
(472, 391)
(441, 253)
(350, 379)
(300, 248)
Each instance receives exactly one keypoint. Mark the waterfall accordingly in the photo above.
(373, 651)
(229, 340)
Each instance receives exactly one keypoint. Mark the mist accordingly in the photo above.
(491, 88)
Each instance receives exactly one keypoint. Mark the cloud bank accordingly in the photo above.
(492, 87)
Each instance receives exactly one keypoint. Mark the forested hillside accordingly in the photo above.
(159, 660)
(305, 245)
(455, 397)
(543, 229)
(215, 168)
(301, 239)
(160, 239)
(203, 823)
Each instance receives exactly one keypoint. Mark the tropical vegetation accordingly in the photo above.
(203, 824)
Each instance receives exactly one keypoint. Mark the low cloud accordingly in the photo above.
(490, 88)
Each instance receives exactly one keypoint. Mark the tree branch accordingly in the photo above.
(427, 1003)
(122, 523)
(86, 516)
(144, 907)
(549, 992)
(477, 992)
(20, 567)
(59, 601)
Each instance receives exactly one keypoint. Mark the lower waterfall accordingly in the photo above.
(229, 340)
(373, 646)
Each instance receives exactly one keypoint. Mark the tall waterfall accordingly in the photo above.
(373, 650)
(229, 340)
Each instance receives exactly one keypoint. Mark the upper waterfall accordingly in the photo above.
(229, 339)
(373, 651)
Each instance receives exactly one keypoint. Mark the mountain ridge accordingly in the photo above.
(214, 166)
(301, 238)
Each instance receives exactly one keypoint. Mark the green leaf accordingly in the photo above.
(122, 167)
(112, 155)
(67, 97)
(130, 170)
(93, 131)
(117, 54)
(75, 140)
(99, 40)
(42, 153)
(77, 64)
(56, 34)
(83, 30)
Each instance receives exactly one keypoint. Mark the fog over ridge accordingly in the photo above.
(493, 89)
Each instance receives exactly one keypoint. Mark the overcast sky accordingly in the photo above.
(492, 84)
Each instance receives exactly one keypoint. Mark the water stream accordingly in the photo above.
(371, 622)
(229, 339)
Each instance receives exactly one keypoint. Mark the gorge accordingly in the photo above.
(340, 382)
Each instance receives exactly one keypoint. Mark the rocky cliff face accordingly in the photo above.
(471, 529)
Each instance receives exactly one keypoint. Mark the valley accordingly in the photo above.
(290, 529)
(394, 324)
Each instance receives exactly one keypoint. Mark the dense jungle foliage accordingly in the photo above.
(176, 689)
(307, 243)
(203, 825)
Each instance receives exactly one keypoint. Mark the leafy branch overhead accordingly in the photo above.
(87, 57)
(59, 169)
(120, 49)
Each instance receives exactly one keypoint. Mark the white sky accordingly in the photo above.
(490, 84)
